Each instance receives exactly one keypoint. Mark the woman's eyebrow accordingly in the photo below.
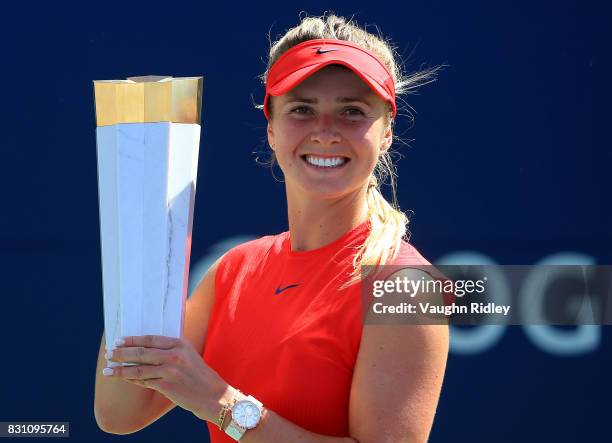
(297, 98)
(362, 99)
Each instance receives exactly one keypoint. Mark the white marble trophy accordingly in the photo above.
(148, 134)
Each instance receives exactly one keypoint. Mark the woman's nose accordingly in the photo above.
(325, 131)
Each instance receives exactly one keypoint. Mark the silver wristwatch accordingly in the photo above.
(246, 414)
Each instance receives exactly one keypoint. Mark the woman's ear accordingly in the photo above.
(270, 133)
(387, 140)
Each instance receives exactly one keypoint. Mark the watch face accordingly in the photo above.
(246, 414)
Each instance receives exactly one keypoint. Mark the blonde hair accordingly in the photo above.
(388, 223)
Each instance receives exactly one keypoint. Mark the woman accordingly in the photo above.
(287, 356)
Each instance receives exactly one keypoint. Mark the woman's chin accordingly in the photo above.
(325, 192)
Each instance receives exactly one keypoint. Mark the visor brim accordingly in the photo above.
(295, 78)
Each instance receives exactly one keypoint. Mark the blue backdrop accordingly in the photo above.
(507, 159)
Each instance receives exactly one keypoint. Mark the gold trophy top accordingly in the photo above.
(150, 98)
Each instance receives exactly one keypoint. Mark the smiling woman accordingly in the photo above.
(280, 318)
(320, 373)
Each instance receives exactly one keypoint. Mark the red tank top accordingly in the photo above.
(282, 331)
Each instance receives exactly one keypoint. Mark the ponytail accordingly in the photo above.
(388, 227)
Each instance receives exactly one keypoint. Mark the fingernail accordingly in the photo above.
(109, 355)
(119, 342)
(107, 371)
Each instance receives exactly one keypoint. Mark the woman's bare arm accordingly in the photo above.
(121, 407)
(397, 379)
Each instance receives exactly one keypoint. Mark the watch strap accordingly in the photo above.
(234, 430)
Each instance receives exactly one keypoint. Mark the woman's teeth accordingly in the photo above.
(325, 162)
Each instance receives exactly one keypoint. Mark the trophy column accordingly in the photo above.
(148, 133)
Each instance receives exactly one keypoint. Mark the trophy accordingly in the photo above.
(148, 134)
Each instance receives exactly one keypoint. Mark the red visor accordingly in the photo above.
(306, 58)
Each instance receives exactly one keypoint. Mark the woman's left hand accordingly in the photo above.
(173, 367)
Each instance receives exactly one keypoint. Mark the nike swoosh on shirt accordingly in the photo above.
(279, 289)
